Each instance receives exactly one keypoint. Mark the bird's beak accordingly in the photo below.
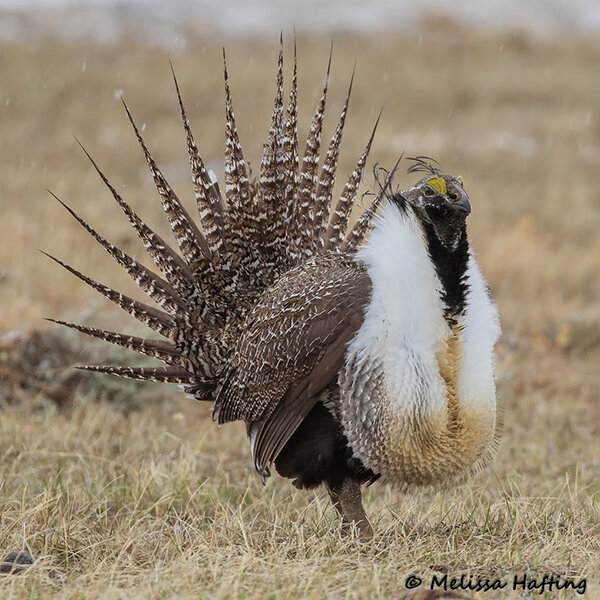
(463, 203)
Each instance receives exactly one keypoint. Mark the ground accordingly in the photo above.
(132, 491)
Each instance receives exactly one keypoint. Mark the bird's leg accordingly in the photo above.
(347, 500)
(337, 503)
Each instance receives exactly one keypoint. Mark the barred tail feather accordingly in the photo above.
(171, 265)
(289, 166)
(270, 194)
(320, 212)
(338, 221)
(159, 374)
(237, 184)
(190, 240)
(157, 288)
(206, 192)
(160, 349)
(356, 235)
(307, 180)
(155, 319)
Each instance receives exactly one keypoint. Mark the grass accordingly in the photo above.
(155, 501)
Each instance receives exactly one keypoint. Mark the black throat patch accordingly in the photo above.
(451, 268)
(450, 263)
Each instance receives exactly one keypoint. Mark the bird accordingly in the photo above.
(352, 350)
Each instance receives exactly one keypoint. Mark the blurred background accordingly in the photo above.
(505, 93)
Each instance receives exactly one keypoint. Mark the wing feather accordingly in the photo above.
(292, 349)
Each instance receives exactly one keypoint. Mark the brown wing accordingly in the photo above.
(292, 348)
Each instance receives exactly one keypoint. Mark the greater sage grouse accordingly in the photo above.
(347, 361)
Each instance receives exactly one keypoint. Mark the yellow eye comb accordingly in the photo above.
(438, 184)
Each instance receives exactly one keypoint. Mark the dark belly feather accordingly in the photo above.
(318, 452)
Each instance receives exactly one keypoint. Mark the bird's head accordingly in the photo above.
(439, 201)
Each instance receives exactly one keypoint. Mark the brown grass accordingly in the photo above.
(160, 502)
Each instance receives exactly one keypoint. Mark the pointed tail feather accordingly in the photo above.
(357, 234)
(206, 192)
(239, 218)
(270, 199)
(338, 222)
(171, 265)
(307, 180)
(190, 240)
(157, 288)
(159, 374)
(160, 349)
(155, 319)
(289, 168)
(319, 216)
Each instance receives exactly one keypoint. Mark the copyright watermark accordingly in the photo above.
(518, 582)
(412, 582)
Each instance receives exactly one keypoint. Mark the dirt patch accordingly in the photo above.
(39, 367)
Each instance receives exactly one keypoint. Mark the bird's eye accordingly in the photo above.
(428, 191)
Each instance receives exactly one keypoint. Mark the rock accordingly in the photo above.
(16, 562)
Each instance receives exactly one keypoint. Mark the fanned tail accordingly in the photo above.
(207, 283)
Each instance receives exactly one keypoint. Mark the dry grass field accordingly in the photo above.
(129, 491)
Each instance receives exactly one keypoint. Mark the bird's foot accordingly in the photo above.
(347, 500)
(362, 529)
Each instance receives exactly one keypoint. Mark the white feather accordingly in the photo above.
(404, 324)
(481, 329)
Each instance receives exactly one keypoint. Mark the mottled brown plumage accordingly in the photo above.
(291, 348)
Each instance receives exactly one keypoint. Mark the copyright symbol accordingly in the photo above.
(412, 582)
